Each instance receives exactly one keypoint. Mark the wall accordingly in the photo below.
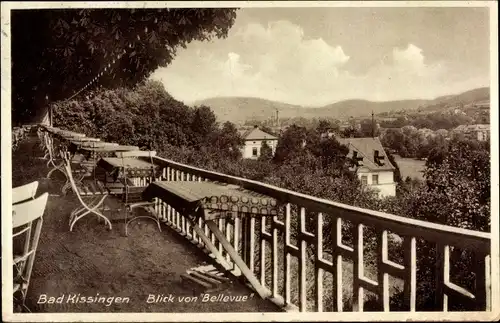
(246, 151)
(386, 184)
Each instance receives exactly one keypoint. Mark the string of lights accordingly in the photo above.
(115, 58)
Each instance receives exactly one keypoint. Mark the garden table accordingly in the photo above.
(92, 151)
(211, 201)
(96, 150)
(134, 167)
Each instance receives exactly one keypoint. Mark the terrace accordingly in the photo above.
(303, 256)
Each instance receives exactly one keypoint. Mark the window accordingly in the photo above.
(375, 179)
(254, 151)
(364, 179)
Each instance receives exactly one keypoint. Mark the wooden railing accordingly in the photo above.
(314, 253)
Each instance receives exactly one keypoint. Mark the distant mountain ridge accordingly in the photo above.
(240, 109)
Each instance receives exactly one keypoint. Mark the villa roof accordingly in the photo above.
(366, 148)
(473, 127)
(256, 134)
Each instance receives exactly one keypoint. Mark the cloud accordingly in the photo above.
(279, 62)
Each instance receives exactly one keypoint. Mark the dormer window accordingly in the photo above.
(378, 158)
(358, 161)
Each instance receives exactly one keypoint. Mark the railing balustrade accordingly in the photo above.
(293, 247)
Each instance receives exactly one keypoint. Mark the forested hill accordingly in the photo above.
(240, 109)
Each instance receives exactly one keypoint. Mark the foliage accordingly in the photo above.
(410, 142)
(266, 152)
(147, 116)
(434, 121)
(57, 52)
(368, 128)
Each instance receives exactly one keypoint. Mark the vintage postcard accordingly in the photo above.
(250, 161)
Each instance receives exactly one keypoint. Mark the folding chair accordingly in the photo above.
(24, 192)
(132, 191)
(27, 220)
(89, 189)
(51, 155)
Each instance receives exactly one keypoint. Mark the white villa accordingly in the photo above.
(480, 132)
(375, 170)
(254, 139)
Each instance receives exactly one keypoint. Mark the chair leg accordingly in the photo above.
(88, 210)
(154, 218)
(57, 167)
(67, 185)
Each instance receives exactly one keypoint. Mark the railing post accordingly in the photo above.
(410, 276)
(286, 256)
(274, 256)
(440, 297)
(302, 261)
(318, 256)
(382, 277)
(263, 252)
(358, 267)
(336, 231)
(483, 281)
(252, 243)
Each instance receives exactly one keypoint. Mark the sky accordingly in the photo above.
(318, 56)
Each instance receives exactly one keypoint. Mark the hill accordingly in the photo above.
(240, 109)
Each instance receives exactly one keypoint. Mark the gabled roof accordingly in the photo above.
(473, 127)
(366, 148)
(256, 134)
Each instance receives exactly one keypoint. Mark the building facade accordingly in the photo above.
(480, 132)
(375, 171)
(254, 140)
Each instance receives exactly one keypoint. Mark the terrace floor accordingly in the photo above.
(92, 260)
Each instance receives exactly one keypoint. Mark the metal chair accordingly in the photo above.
(89, 189)
(24, 192)
(133, 189)
(27, 220)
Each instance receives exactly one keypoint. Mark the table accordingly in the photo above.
(134, 166)
(92, 151)
(211, 201)
(101, 149)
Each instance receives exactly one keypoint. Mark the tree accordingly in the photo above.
(351, 132)
(204, 123)
(266, 152)
(227, 141)
(393, 139)
(291, 143)
(57, 52)
(397, 172)
(324, 126)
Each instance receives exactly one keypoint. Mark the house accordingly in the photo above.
(254, 139)
(374, 170)
(480, 132)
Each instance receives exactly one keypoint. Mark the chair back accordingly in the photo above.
(134, 192)
(27, 220)
(24, 192)
(66, 157)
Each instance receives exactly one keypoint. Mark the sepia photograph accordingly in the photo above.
(250, 161)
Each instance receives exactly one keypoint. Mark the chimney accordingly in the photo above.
(373, 125)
